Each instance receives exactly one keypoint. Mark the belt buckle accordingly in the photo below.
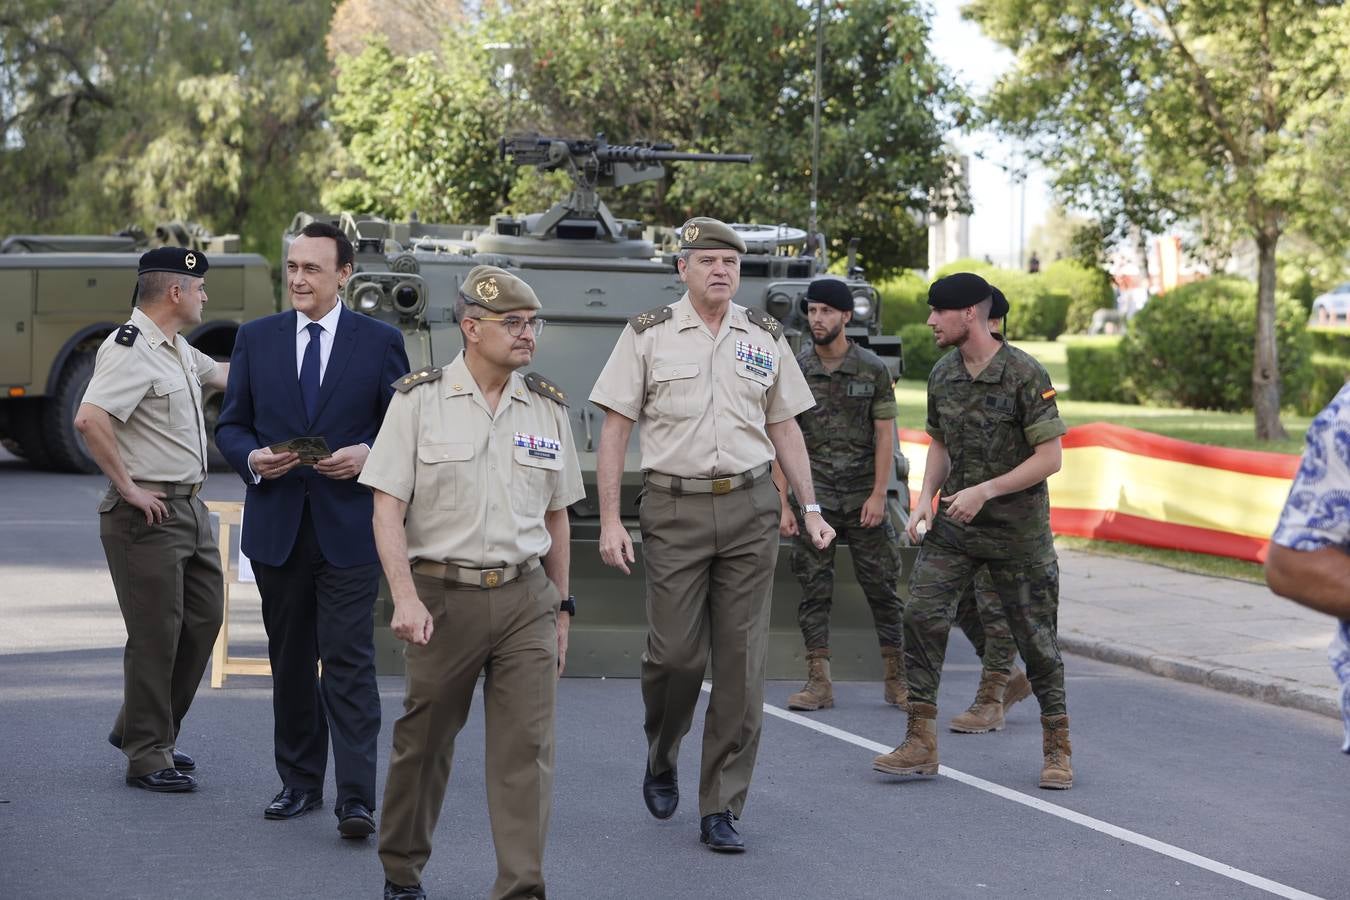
(490, 578)
(721, 486)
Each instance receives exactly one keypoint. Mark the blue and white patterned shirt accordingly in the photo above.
(1317, 515)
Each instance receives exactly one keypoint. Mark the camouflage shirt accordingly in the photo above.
(989, 425)
(839, 429)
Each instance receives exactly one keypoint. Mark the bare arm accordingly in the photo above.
(411, 622)
(883, 437)
(1318, 579)
(787, 519)
(557, 565)
(790, 449)
(94, 423)
(616, 547)
(1045, 460)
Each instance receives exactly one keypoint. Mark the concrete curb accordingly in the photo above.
(1244, 683)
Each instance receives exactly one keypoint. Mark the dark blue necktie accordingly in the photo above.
(309, 372)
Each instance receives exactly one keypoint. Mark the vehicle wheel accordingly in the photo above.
(12, 446)
(63, 441)
(212, 400)
(25, 426)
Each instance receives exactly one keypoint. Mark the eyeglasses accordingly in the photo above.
(514, 325)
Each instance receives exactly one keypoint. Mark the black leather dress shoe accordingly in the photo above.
(165, 781)
(291, 803)
(181, 761)
(355, 819)
(661, 793)
(719, 834)
(401, 892)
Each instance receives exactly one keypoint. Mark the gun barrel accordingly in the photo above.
(625, 153)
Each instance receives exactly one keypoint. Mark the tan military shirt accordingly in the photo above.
(477, 482)
(154, 389)
(701, 402)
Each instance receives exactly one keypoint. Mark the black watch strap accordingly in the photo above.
(569, 605)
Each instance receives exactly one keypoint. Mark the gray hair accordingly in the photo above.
(152, 287)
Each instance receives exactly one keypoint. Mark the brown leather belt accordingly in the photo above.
(480, 578)
(678, 485)
(169, 489)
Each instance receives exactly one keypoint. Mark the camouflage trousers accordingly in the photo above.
(876, 562)
(979, 614)
(1027, 592)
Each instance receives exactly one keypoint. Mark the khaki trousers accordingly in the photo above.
(171, 591)
(710, 563)
(510, 633)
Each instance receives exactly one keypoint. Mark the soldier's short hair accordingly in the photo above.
(152, 287)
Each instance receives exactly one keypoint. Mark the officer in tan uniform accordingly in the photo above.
(715, 388)
(141, 418)
(479, 461)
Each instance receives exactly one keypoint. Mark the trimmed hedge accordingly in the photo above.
(921, 351)
(904, 301)
(1193, 346)
(1331, 341)
(1329, 374)
(1089, 290)
(1097, 372)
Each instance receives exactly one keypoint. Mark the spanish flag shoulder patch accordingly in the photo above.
(1048, 394)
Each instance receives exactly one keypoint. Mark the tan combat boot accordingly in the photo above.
(986, 710)
(817, 693)
(918, 755)
(1057, 770)
(895, 689)
(1018, 689)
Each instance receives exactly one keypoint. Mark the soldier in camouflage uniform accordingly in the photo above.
(980, 615)
(850, 436)
(996, 435)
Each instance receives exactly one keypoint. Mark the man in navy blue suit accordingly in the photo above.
(317, 370)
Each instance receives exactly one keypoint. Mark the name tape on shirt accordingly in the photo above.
(756, 359)
(542, 447)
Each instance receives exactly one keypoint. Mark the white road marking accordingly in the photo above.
(1069, 815)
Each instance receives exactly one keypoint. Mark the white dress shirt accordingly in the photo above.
(329, 324)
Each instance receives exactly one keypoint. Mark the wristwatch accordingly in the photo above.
(810, 508)
(569, 606)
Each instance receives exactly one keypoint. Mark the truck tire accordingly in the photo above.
(63, 441)
(212, 399)
(25, 426)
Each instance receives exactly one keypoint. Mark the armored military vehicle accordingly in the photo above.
(60, 296)
(592, 272)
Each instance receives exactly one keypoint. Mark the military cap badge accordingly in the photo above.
(487, 289)
(690, 233)
(190, 260)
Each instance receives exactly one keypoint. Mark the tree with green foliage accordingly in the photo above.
(712, 76)
(130, 110)
(1229, 115)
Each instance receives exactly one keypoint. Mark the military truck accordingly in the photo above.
(592, 272)
(60, 296)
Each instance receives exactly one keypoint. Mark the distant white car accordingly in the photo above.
(1333, 305)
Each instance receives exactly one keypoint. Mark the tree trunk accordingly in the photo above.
(1266, 364)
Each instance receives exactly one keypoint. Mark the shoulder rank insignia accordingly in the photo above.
(765, 321)
(127, 334)
(413, 379)
(642, 321)
(542, 386)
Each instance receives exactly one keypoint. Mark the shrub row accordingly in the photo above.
(1329, 374)
(1331, 341)
(920, 350)
(1097, 373)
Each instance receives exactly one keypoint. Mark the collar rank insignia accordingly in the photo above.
(413, 379)
(643, 321)
(765, 321)
(545, 388)
(127, 334)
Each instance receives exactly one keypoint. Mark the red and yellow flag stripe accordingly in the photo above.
(1120, 484)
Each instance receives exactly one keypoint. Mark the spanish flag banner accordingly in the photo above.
(1119, 484)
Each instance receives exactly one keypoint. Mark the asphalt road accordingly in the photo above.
(1180, 792)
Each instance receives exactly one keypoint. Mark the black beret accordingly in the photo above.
(999, 309)
(830, 291)
(958, 291)
(179, 260)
